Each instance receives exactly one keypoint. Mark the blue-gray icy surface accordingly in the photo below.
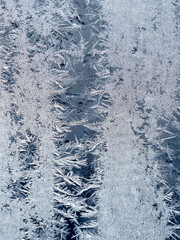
(89, 120)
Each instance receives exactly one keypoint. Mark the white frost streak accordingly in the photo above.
(142, 49)
(128, 198)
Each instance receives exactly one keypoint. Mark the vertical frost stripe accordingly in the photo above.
(53, 102)
(137, 200)
(80, 105)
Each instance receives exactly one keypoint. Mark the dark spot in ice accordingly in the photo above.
(112, 69)
(62, 65)
(29, 34)
(134, 50)
(155, 205)
(149, 110)
(12, 139)
(160, 215)
(14, 24)
(142, 28)
(72, 229)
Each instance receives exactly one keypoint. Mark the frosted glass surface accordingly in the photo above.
(89, 120)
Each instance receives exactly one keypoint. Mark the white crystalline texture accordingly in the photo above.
(89, 136)
(51, 60)
(137, 201)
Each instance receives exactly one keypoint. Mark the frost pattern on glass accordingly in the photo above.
(89, 120)
(140, 198)
(53, 105)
